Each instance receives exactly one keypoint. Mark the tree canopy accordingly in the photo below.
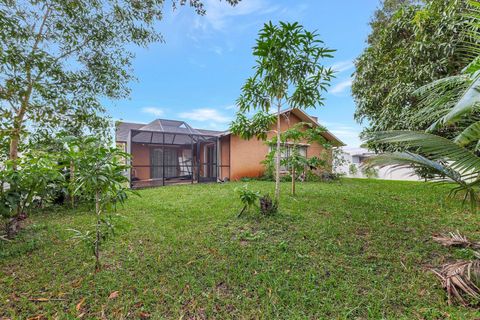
(289, 72)
(411, 44)
(60, 58)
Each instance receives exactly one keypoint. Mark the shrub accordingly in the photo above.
(247, 197)
(329, 177)
(28, 181)
(370, 172)
(352, 169)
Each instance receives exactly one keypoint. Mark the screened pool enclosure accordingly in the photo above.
(170, 152)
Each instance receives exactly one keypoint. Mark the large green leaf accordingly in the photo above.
(434, 147)
(399, 160)
(469, 135)
(467, 103)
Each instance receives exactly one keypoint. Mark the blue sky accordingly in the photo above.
(197, 73)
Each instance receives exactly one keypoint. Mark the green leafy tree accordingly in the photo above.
(22, 184)
(58, 58)
(412, 43)
(447, 160)
(101, 177)
(291, 139)
(289, 72)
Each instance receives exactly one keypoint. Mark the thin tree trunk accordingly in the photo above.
(97, 240)
(17, 127)
(72, 177)
(277, 160)
(293, 180)
(19, 118)
(241, 212)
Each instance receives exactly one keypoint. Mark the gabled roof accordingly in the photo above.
(302, 115)
(181, 127)
(123, 128)
(306, 118)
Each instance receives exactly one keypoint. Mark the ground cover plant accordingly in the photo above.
(355, 249)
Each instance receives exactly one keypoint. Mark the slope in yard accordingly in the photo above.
(354, 249)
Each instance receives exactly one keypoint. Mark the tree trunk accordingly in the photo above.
(19, 118)
(241, 212)
(277, 160)
(97, 240)
(293, 180)
(17, 128)
(72, 177)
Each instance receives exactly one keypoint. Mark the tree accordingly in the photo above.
(290, 141)
(58, 58)
(411, 44)
(289, 72)
(101, 177)
(457, 97)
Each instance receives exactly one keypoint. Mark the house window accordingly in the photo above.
(287, 151)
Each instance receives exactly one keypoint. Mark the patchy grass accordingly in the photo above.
(352, 250)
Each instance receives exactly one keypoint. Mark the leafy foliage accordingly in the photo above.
(60, 57)
(101, 176)
(31, 181)
(455, 160)
(296, 163)
(289, 71)
(247, 197)
(411, 45)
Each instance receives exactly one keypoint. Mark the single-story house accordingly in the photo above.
(353, 167)
(171, 151)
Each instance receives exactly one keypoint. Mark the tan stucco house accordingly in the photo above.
(169, 151)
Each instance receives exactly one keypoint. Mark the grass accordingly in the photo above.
(352, 250)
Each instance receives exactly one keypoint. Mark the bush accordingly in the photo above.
(352, 169)
(247, 197)
(330, 177)
(370, 172)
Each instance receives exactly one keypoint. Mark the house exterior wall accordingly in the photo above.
(140, 157)
(225, 157)
(386, 173)
(247, 155)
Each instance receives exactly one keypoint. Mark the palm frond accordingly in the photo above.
(453, 239)
(468, 102)
(461, 280)
(436, 148)
(469, 135)
(400, 160)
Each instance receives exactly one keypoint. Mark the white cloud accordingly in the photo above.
(157, 112)
(205, 114)
(349, 134)
(219, 12)
(342, 66)
(231, 107)
(197, 64)
(341, 86)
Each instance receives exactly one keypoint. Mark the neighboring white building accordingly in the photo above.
(354, 157)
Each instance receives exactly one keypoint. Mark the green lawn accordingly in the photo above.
(352, 250)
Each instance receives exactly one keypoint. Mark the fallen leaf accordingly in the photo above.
(39, 300)
(79, 304)
(144, 315)
(113, 295)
